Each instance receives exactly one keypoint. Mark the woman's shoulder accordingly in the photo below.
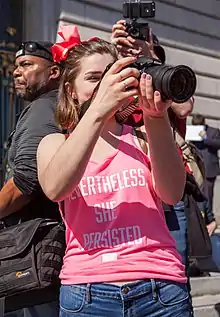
(51, 142)
(47, 148)
(54, 137)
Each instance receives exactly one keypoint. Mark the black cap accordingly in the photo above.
(40, 49)
(159, 50)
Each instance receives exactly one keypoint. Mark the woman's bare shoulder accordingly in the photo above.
(51, 142)
(56, 137)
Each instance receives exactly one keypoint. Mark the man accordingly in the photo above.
(208, 147)
(36, 79)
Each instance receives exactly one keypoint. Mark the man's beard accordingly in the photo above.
(31, 93)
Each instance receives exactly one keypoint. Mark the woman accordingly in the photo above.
(120, 258)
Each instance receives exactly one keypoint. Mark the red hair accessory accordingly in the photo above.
(71, 37)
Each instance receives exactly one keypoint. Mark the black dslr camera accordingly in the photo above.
(177, 83)
(134, 10)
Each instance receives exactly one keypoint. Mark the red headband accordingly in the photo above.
(71, 37)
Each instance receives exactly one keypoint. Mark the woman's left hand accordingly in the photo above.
(149, 100)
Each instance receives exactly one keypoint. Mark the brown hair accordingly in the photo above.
(67, 113)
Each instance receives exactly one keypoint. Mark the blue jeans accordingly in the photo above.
(176, 222)
(44, 310)
(148, 298)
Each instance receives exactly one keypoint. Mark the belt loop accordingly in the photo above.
(88, 293)
(154, 288)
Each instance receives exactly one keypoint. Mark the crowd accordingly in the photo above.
(117, 181)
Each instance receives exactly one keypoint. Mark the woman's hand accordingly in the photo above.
(127, 46)
(150, 101)
(118, 84)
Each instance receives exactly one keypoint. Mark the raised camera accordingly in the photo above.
(134, 10)
(142, 9)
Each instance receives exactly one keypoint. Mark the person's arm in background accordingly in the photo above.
(213, 142)
(11, 198)
(184, 109)
(208, 215)
(179, 113)
(19, 189)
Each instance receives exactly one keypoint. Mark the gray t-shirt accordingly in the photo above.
(35, 122)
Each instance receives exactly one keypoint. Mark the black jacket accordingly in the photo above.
(209, 150)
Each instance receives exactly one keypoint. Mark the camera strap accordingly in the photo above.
(87, 103)
(142, 139)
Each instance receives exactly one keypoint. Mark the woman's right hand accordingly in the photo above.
(118, 84)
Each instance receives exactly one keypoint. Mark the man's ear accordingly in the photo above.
(55, 72)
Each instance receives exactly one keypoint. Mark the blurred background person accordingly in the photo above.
(208, 146)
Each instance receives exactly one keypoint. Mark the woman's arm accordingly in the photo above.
(61, 164)
(168, 171)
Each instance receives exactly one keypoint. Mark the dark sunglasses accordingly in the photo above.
(34, 47)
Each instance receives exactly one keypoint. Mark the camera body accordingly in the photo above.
(138, 31)
(143, 63)
(139, 9)
(134, 10)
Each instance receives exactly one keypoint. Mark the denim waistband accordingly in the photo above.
(127, 291)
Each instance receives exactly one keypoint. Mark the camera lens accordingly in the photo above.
(175, 83)
(134, 32)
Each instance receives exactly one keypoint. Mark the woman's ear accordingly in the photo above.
(71, 92)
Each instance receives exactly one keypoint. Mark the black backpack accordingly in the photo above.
(31, 257)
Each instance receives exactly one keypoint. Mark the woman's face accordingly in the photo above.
(92, 68)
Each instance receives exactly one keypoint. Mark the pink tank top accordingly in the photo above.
(115, 225)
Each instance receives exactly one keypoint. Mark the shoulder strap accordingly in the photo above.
(185, 147)
(62, 205)
(179, 139)
(141, 139)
